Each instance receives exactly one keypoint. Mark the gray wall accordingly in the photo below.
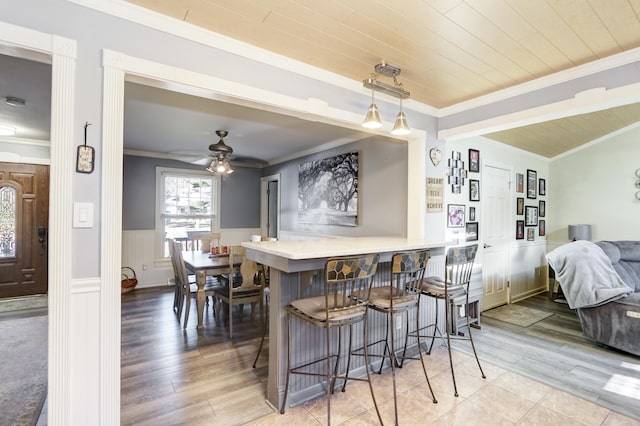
(239, 198)
(382, 190)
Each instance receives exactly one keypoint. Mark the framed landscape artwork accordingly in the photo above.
(328, 191)
(532, 183)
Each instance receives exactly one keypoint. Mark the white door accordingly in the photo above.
(496, 223)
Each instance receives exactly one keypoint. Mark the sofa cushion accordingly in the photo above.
(625, 258)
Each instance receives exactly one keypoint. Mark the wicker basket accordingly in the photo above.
(129, 279)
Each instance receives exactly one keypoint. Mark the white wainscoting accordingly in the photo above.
(138, 253)
(529, 269)
(85, 350)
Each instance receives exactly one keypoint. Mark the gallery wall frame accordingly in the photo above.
(531, 216)
(542, 208)
(455, 215)
(519, 182)
(474, 161)
(471, 231)
(519, 229)
(474, 190)
(520, 206)
(531, 234)
(542, 187)
(532, 184)
(542, 228)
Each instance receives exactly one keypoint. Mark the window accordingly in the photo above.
(7, 222)
(187, 202)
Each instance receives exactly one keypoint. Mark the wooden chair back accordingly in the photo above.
(202, 241)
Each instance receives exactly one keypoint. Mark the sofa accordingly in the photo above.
(602, 282)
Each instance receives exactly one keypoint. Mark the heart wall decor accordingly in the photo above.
(436, 156)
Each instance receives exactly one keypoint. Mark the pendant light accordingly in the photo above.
(372, 120)
(401, 127)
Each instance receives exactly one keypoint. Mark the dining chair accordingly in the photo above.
(336, 308)
(399, 296)
(455, 284)
(202, 240)
(187, 289)
(240, 288)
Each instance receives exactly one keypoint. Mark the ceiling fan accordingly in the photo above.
(221, 156)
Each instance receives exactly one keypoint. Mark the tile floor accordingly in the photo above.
(503, 398)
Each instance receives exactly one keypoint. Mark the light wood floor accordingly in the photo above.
(171, 376)
(175, 377)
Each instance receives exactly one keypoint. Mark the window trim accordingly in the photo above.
(160, 172)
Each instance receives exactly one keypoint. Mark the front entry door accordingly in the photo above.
(24, 221)
(496, 220)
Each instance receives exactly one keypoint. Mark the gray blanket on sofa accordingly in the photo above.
(586, 275)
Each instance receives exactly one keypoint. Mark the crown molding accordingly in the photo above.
(564, 76)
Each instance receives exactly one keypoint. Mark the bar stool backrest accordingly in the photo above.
(345, 277)
(459, 265)
(407, 271)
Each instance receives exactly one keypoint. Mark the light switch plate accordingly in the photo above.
(83, 215)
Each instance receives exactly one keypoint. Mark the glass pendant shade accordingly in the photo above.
(372, 120)
(401, 127)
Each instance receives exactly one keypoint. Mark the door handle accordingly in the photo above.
(486, 245)
(42, 233)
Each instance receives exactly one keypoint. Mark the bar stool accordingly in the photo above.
(400, 296)
(458, 268)
(334, 309)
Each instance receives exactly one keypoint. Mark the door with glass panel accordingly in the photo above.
(24, 217)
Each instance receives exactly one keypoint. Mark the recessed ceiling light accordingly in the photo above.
(7, 130)
(15, 102)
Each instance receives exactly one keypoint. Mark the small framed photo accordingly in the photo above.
(471, 231)
(455, 155)
(474, 190)
(541, 228)
(519, 229)
(531, 216)
(474, 161)
(456, 189)
(542, 187)
(472, 214)
(85, 159)
(519, 182)
(519, 206)
(531, 234)
(455, 215)
(532, 184)
(542, 207)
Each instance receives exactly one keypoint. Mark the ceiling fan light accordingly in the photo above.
(401, 127)
(372, 120)
(212, 167)
(7, 130)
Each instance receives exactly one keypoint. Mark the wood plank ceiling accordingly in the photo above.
(450, 51)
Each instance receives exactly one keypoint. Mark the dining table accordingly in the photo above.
(202, 264)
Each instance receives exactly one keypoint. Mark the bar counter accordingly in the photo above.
(296, 271)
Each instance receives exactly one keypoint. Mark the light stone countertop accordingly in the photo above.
(331, 247)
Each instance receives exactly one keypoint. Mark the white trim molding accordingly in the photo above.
(61, 52)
